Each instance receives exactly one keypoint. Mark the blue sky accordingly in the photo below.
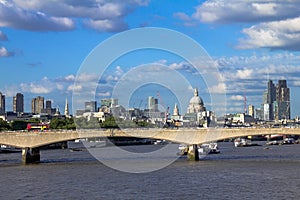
(44, 43)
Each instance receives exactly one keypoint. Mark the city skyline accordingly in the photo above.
(41, 49)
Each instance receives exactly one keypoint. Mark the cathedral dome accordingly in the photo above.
(196, 103)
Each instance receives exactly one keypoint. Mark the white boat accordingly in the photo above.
(242, 142)
(160, 142)
(210, 148)
(8, 149)
(86, 143)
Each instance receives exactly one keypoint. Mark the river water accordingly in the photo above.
(237, 173)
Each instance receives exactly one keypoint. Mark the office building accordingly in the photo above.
(152, 104)
(2, 104)
(109, 102)
(18, 103)
(90, 106)
(251, 110)
(37, 105)
(276, 101)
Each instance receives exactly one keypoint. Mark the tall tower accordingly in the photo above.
(37, 105)
(2, 104)
(67, 109)
(18, 103)
(282, 101)
(152, 104)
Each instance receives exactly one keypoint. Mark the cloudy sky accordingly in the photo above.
(44, 43)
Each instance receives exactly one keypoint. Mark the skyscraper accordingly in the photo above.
(18, 103)
(276, 101)
(152, 104)
(37, 105)
(2, 104)
(282, 101)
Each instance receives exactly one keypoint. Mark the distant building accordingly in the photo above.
(251, 110)
(37, 105)
(90, 106)
(67, 114)
(110, 102)
(196, 103)
(152, 104)
(18, 103)
(2, 104)
(49, 110)
(276, 101)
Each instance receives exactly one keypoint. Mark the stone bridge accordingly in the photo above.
(30, 141)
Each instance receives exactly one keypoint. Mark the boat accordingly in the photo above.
(274, 142)
(160, 142)
(242, 142)
(288, 141)
(208, 148)
(9, 149)
(183, 149)
(86, 143)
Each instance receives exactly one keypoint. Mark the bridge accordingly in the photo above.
(31, 141)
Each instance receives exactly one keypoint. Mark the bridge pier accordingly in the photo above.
(30, 155)
(193, 153)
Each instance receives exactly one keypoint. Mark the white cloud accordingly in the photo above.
(233, 11)
(5, 53)
(103, 94)
(53, 15)
(18, 18)
(237, 98)
(107, 25)
(284, 34)
(217, 89)
(35, 88)
(75, 88)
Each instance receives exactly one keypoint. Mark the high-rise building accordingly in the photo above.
(276, 101)
(152, 104)
(282, 101)
(2, 104)
(90, 106)
(251, 110)
(37, 105)
(18, 103)
(48, 104)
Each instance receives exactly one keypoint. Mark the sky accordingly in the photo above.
(44, 44)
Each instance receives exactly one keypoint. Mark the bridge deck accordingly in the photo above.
(184, 135)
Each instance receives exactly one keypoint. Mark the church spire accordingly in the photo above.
(67, 108)
(196, 92)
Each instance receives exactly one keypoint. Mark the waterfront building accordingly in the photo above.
(196, 103)
(18, 103)
(2, 104)
(37, 105)
(90, 106)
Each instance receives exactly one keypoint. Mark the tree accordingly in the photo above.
(4, 126)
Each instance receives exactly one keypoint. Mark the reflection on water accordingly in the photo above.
(236, 173)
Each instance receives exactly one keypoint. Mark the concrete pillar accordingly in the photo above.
(30, 155)
(193, 153)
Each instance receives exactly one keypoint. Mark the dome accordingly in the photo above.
(196, 100)
(196, 103)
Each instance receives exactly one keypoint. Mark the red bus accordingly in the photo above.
(38, 127)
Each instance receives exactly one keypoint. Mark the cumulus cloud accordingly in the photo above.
(15, 17)
(237, 98)
(236, 11)
(5, 53)
(53, 15)
(284, 34)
